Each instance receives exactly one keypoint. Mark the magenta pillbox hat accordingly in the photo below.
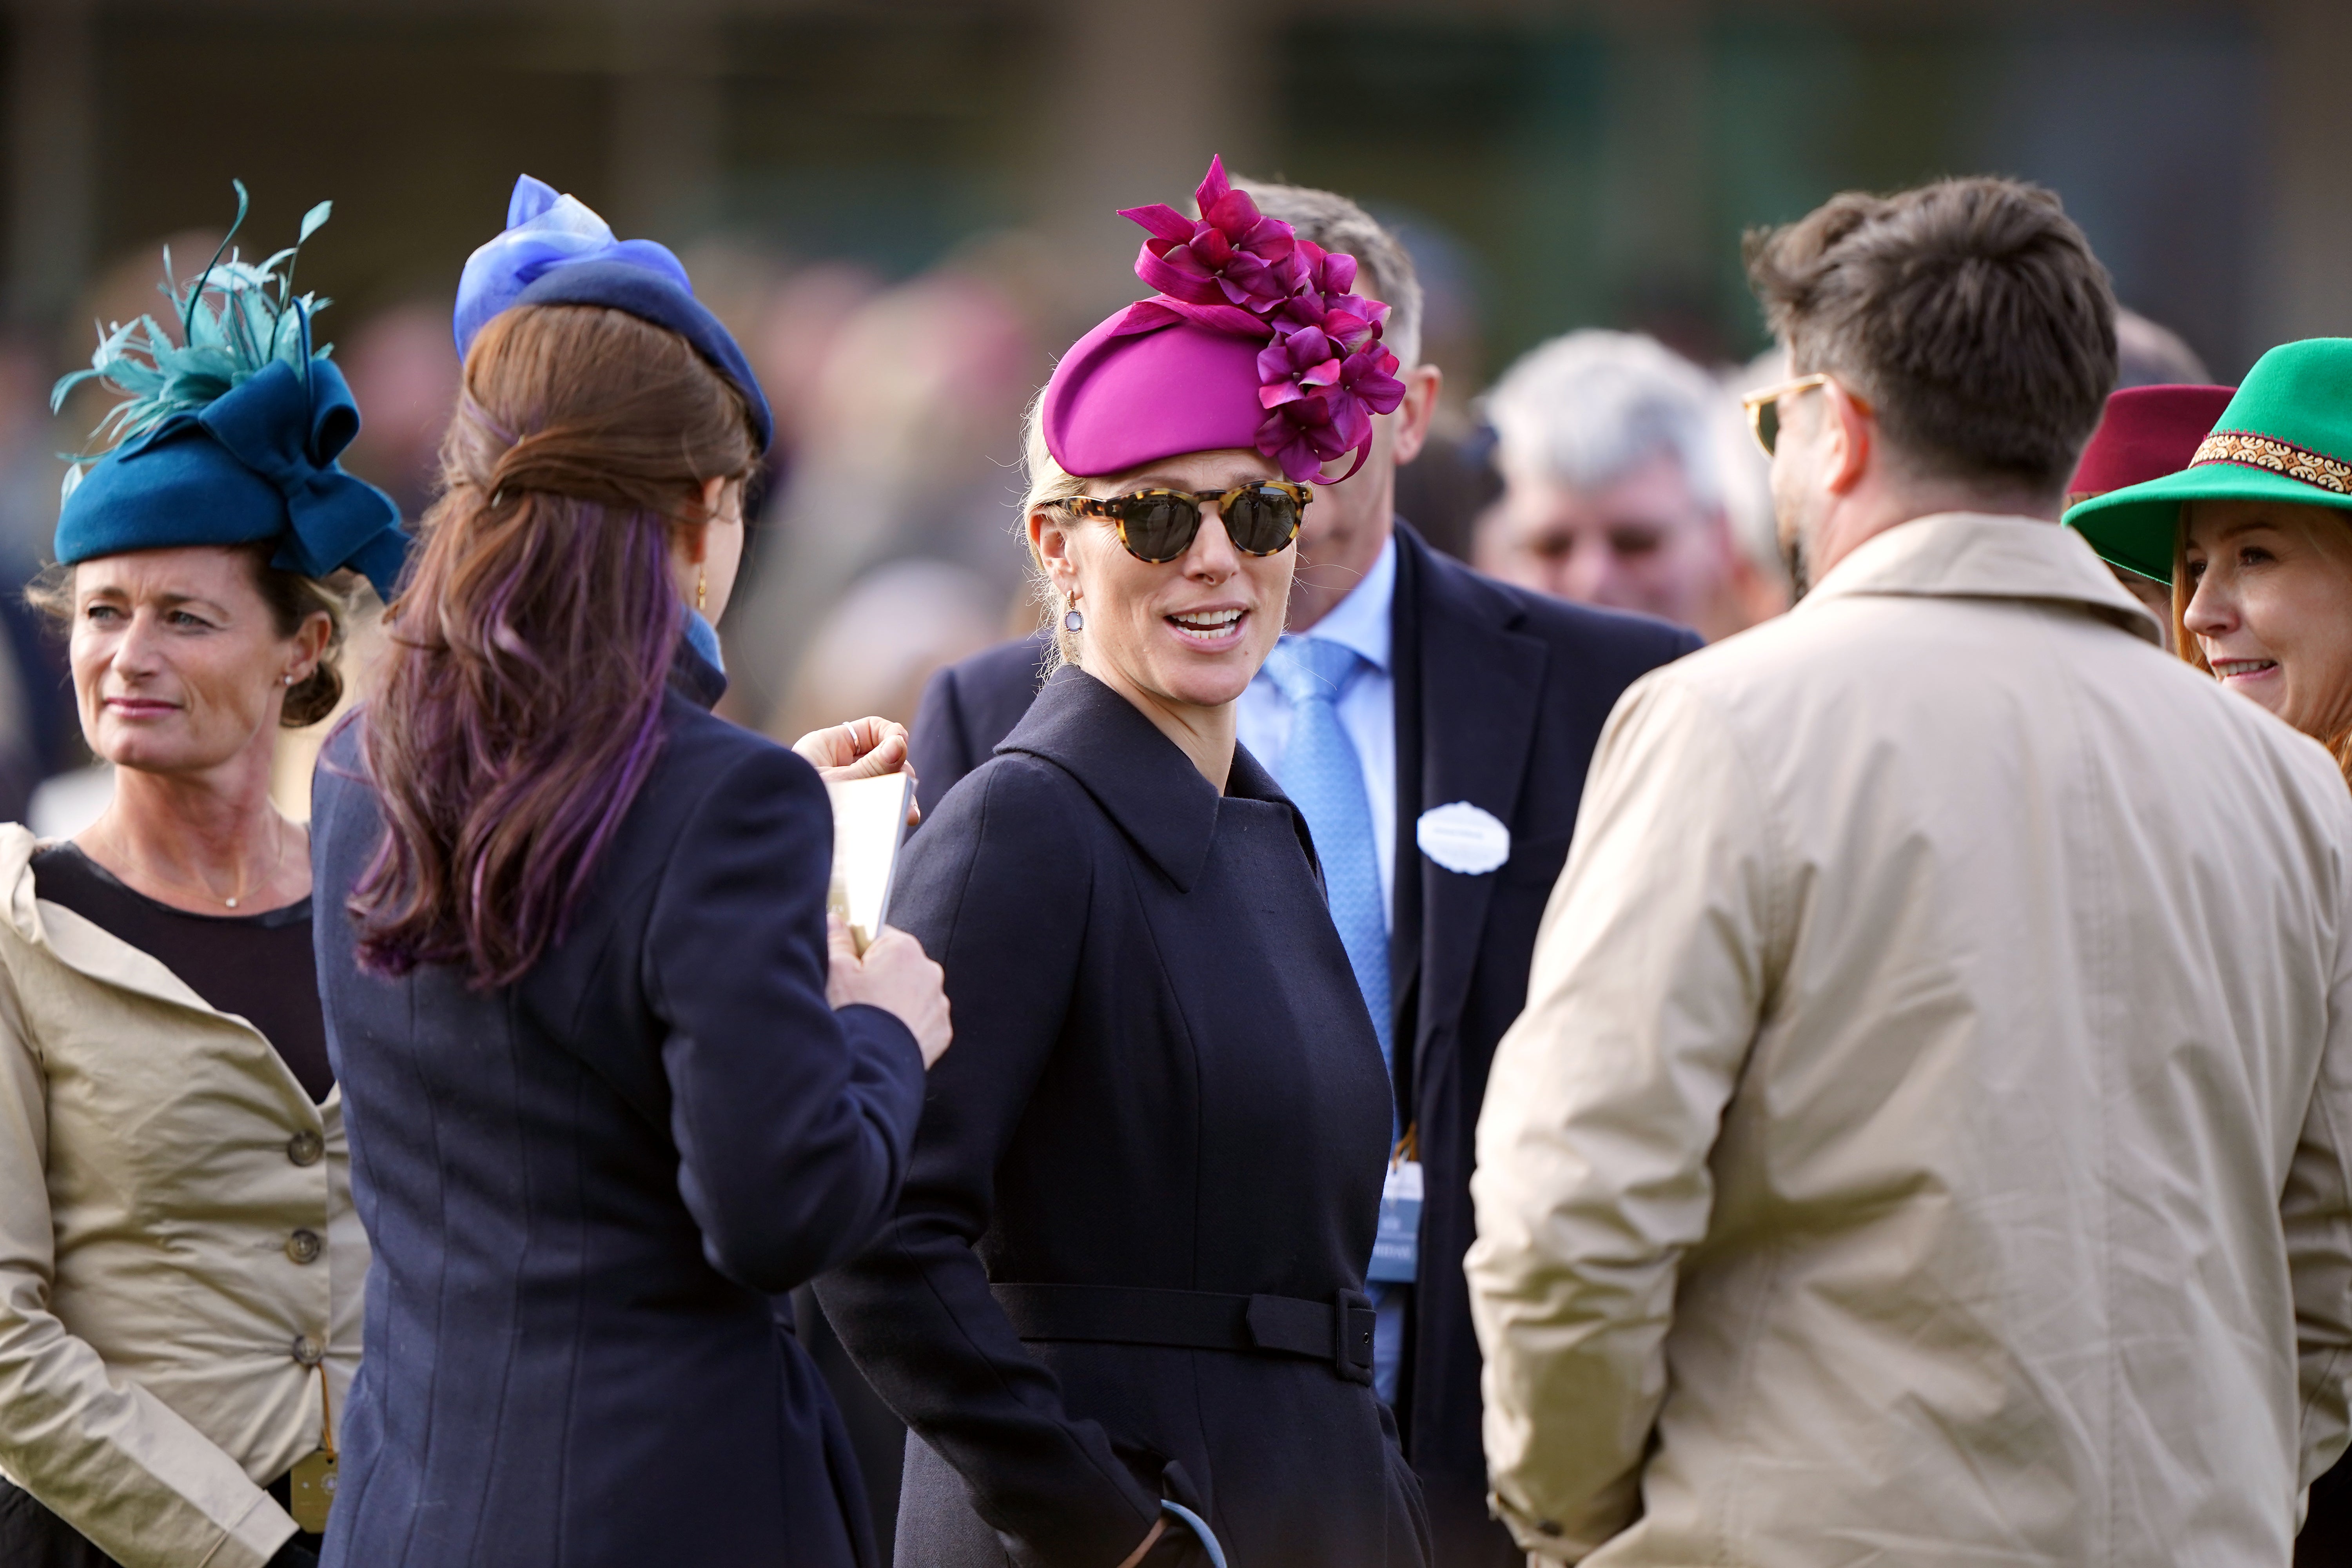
(1254, 338)
(1120, 401)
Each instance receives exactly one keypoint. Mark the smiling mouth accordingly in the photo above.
(1205, 625)
(2229, 667)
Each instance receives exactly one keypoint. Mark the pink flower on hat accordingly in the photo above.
(1324, 370)
(1233, 255)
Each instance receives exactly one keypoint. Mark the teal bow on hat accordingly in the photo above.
(256, 465)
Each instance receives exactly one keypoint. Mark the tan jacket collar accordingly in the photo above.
(81, 945)
(1973, 555)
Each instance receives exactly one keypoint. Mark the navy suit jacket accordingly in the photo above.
(587, 1190)
(1501, 695)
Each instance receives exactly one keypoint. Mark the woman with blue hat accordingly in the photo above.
(180, 1260)
(613, 1086)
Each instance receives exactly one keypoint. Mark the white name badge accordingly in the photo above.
(1396, 1246)
(1463, 837)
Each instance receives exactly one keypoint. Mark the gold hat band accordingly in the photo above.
(2279, 457)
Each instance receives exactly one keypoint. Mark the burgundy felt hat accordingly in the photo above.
(2147, 432)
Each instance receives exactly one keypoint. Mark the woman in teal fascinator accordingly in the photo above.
(179, 1263)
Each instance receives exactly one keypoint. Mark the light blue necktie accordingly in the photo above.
(1325, 780)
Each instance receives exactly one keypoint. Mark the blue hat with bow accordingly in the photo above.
(557, 251)
(230, 434)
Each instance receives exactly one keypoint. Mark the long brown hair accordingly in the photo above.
(2339, 745)
(519, 712)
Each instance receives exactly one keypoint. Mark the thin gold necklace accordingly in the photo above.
(280, 860)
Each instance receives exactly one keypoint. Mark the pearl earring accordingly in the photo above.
(290, 681)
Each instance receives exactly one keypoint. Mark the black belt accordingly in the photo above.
(1338, 1331)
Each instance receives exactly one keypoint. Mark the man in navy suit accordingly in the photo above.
(1472, 710)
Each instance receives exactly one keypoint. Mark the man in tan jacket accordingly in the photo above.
(1925, 1141)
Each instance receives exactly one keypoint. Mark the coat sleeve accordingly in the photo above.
(997, 889)
(2315, 1210)
(792, 1121)
(1652, 968)
(95, 1448)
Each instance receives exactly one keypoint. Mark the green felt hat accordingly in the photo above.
(2286, 436)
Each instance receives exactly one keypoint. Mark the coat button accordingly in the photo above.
(308, 1351)
(304, 1246)
(305, 1147)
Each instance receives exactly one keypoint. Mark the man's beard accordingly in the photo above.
(1800, 572)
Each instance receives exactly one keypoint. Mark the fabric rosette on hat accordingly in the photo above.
(2284, 436)
(1254, 339)
(555, 250)
(230, 431)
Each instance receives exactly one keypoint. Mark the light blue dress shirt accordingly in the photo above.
(1367, 708)
(1367, 712)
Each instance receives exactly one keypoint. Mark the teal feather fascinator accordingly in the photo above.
(230, 433)
(236, 320)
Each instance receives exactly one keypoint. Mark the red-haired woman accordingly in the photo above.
(609, 1097)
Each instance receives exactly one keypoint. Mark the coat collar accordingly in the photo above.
(1477, 684)
(1139, 776)
(1976, 555)
(694, 676)
(90, 949)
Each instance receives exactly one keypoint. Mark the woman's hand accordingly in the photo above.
(895, 975)
(1158, 1528)
(861, 749)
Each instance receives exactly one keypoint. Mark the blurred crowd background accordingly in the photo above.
(904, 209)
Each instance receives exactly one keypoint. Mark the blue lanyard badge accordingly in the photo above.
(1396, 1247)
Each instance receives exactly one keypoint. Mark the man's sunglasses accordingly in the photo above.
(1260, 518)
(1764, 409)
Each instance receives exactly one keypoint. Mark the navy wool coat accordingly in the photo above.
(588, 1189)
(1164, 1094)
(1501, 698)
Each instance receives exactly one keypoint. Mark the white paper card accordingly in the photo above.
(1463, 837)
(869, 821)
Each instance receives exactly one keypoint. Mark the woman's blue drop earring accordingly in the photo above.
(1074, 621)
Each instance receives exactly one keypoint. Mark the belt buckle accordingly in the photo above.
(1352, 1333)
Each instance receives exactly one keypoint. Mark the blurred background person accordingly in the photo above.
(1618, 489)
(541, 849)
(180, 1262)
(2145, 433)
(2149, 353)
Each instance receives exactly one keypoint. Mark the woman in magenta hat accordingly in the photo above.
(1121, 1305)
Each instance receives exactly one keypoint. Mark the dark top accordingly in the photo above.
(587, 1192)
(258, 967)
(1163, 1078)
(1501, 695)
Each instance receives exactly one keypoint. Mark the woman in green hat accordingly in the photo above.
(2255, 536)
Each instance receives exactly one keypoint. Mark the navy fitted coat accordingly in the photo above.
(1165, 1103)
(588, 1189)
(1501, 698)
